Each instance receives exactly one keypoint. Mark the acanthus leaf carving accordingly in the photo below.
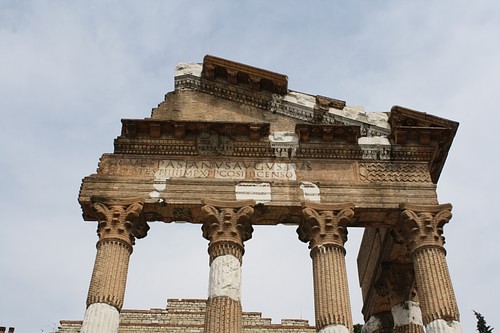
(325, 224)
(228, 222)
(120, 219)
(423, 225)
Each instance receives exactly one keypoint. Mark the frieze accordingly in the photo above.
(391, 172)
(155, 147)
(239, 170)
(166, 169)
(319, 151)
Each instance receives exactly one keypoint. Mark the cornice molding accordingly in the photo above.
(276, 103)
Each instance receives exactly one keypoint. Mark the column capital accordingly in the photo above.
(227, 222)
(325, 223)
(423, 224)
(120, 219)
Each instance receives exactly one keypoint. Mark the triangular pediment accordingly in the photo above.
(220, 90)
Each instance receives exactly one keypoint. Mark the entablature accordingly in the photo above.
(321, 150)
(240, 139)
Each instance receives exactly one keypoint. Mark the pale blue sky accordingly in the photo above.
(70, 70)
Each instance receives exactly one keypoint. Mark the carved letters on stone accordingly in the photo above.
(160, 170)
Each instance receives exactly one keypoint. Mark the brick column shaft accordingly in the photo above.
(119, 225)
(423, 227)
(226, 225)
(437, 298)
(409, 328)
(331, 295)
(324, 228)
(109, 276)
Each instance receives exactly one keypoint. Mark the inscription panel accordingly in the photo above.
(245, 169)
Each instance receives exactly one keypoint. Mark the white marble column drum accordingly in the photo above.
(423, 226)
(225, 277)
(119, 225)
(372, 325)
(226, 224)
(407, 317)
(324, 227)
(100, 318)
(379, 323)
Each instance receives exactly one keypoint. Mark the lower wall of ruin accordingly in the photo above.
(188, 316)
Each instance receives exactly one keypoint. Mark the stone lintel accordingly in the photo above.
(265, 214)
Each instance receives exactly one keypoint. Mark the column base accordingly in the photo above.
(443, 326)
(100, 318)
(334, 329)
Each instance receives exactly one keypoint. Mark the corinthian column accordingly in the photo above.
(226, 224)
(423, 227)
(119, 225)
(324, 227)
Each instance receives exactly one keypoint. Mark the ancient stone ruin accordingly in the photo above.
(232, 147)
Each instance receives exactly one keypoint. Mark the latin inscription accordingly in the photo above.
(239, 170)
(165, 169)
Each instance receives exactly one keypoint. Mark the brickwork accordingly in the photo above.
(226, 224)
(410, 328)
(267, 155)
(423, 227)
(116, 237)
(188, 316)
(110, 274)
(331, 298)
(324, 227)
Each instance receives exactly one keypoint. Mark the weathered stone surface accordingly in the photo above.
(188, 315)
(239, 134)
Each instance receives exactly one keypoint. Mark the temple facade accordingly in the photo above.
(232, 147)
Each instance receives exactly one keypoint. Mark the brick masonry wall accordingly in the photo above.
(187, 316)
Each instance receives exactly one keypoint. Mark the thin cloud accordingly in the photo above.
(71, 71)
